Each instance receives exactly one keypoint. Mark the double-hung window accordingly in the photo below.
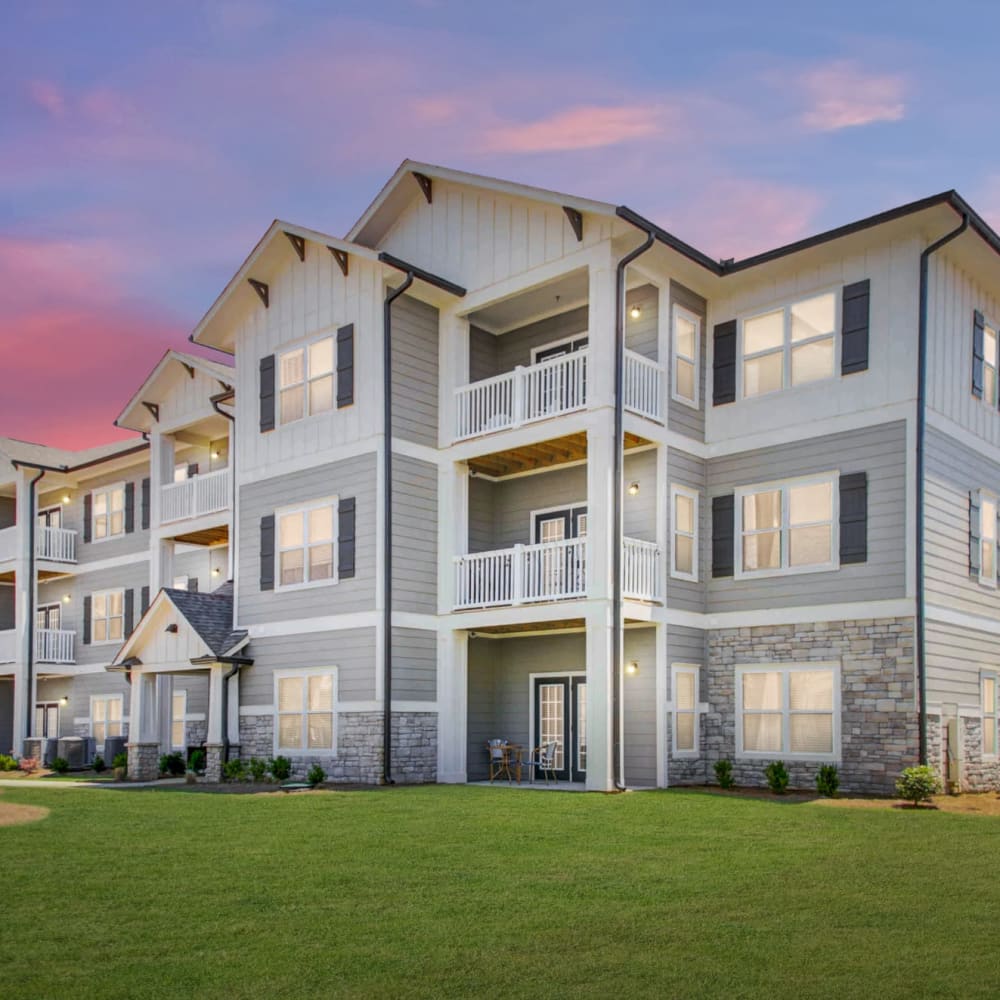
(305, 701)
(684, 534)
(991, 341)
(107, 616)
(178, 720)
(793, 345)
(987, 538)
(306, 537)
(685, 703)
(306, 380)
(989, 688)
(105, 718)
(788, 710)
(788, 527)
(686, 341)
(108, 506)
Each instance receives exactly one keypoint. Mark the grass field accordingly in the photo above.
(454, 892)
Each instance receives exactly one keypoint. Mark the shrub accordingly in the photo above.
(7, 763)
(258, 768)
(918, 784)
(280, 768)
(316, 775)
(120, 760)
(827, 780)
(172, 764)
(777, 776)
(724, 773)
(60, 765)
(29, 764)
(196, 762)
(234, 770)
(99, 764)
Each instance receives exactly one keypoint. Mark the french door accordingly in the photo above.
(560, 706)
(48, 616)
(563, 568)
(50, 517)
(555, 394)
(47, 719)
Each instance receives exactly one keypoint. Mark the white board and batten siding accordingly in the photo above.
(187, 398)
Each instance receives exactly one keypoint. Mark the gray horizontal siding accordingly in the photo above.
(352, 477)
(686, 645)
(642, 334)
(414, 533)
(415, 371)
(102, 684)
(514, 348)
(414, 664)
(7, 603)
(639, 511)
(8, 512)
(686, 470)
(955, 657)
(685, 419)
(639, 736)
(881, 452)
(482, 354)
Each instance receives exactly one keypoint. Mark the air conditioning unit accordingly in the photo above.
(113, 745)
(73, 749)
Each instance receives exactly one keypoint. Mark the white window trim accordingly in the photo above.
(988, 495)
(685, 668)
(121, 713)
(576, 505)
(109, 489)
(535, 351)
(93, 619)
(675, 311)
(307, 672)
(45, 706)
(991, 404)
(786, 349)
(333, 502)
(995, 715)
(183, 720)
(677, 490)
(329, 334)
(785, 669)
(833, 478)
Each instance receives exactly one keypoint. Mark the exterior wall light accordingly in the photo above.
(635, 312)
(633, 488)
(215, 454)
(632, 668)
(64, 700)
(65, 498)
(67, 598)
(216, 571)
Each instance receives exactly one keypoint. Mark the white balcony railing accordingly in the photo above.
(549, 571)
(55, 645)
(8, 645)
(519, 397)
(644, 386)
(56, 544)
(204, 494)
(8, 543)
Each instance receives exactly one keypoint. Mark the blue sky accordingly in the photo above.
(145, 147)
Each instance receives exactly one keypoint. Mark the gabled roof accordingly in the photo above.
(61, 460)
(165, 368)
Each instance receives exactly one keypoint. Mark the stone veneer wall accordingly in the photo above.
(879, 723)
(975, 773)
(358, 760)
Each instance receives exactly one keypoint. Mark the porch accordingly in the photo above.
(52, 645)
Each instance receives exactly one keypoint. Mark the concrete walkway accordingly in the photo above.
(121, 786)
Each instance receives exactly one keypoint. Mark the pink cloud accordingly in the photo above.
(840, 95)
(48, 96)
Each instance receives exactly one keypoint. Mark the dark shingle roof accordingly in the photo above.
(210, 615)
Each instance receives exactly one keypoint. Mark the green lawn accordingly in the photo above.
(448, 892)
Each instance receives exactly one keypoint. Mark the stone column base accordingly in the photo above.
(143, 761)
(213, 763)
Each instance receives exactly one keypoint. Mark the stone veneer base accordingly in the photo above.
(143, 761)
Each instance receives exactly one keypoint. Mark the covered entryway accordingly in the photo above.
(560, 717)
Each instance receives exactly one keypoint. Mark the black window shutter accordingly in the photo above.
(267, 552)
(974, 563)
(854, 328)
(854, 518)
(345, 365)
(977, 353)
(87, 602)
(724, 364)
(88, 509)
(346, 534)
(144, 505)
(267, 393)
(129, 612)
(129, 508)
(723, 535)
(192, 470)
(193, 584)
(144, 600)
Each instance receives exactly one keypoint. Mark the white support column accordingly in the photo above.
(161, 457)
(216, 674)
(599, 732)
(143, 738)
(161, 564)
(233, 709)
(662, 680)
(453, 714)
(453, 528)
(165, 711)
(663, 514)
(601, 322)
(25, 590)
(453, 370)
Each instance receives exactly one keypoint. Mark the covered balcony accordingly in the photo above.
(55, 645)
(195, 496)
(51, 544)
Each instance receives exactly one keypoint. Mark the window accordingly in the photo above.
(687, 345)
(990, 343)
(306, 380)
(47, 719)
(107, 616)
(987, 539)
(109, 512)
(788, 710)
(305, 710)
(684, 548)
(989, 683)
(305, 544)
(178, 727)
(105, 718)
(788, 527)
(789, 346)
(685, 694)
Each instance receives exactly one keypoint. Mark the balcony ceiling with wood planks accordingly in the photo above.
(541, 455)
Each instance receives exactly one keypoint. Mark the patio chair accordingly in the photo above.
(499, 755)
(543, 758)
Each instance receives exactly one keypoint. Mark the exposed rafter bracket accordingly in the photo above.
(188, 368)
(153, 408)
(341, 257)
(576, 221)
(262, 290)
(298, 244)
(225, 385)
(425, 185)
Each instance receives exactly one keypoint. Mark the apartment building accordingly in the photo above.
(508, 463)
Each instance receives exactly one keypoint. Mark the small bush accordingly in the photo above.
(172, 764)
(99, 764)
(7, 763)
(234, 770)
(196, 762)
(120, 760)
(918, 784)
(777, 776)
(28, 764)
(258, 768)
(827, 780)
(316, 775)
(724, 773)
(280, 768)
(60, 765)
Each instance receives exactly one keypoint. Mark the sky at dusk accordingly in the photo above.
(145, 147)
